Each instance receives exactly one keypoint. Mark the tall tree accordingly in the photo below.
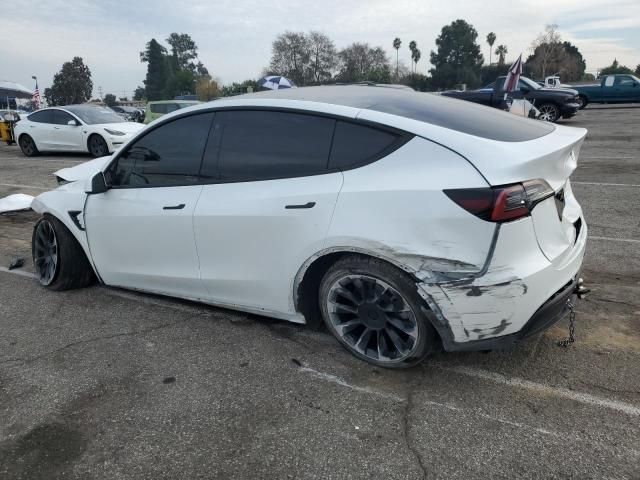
(322, 57)
(547, 49)
(562, 58)
(72, 84)
(139, 93)
(359, 62)
(416, 58)
(290, 55)
(207, 88)
(412, 48)
(458, 58)
(155, 82)
(501, 51)
(397, 43)
(491, 39)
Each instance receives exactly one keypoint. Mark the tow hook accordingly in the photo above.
(580, 290)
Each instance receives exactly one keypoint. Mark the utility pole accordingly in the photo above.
(100, 92)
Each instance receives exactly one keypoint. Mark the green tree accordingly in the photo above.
(361, 63)
(239, 88)
(139, 93)
(491, 39)
(415, 57)
(501, 51)
(207, 88)
(458, 58)
(615, 67)
(71, 85)
(156, 80)
(412, 48)
(322, 58)
(290, 54)
(109, 100)
(637, 72)
(397, 43)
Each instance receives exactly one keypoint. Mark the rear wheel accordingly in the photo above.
(375, 312)
(97, 146)
(549, 112)
(582, 101)
(28, 146)
(59, 260)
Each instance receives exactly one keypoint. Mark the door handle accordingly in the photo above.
(174, 207)
(306, 205)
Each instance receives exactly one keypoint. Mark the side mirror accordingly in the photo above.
(97, 185)
(72, 123)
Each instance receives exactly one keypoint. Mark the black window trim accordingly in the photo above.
(403, 138)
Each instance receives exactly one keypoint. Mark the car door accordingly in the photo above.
(268, 206)
(41, 129)
(140, 231)
(625, 88)
(65, 137)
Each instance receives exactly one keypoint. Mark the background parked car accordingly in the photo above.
(553, 103)
(131, 114)
(73, 128)
(161, 107)
(616, 88)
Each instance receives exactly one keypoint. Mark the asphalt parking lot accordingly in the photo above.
(107, 384)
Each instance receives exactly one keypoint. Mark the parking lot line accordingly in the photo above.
(607, 184)
(585, 398)
(23, 186)
(612, 239)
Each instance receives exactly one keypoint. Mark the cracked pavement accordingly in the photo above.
(102, 383)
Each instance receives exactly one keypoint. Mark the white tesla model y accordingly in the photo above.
(404, 221)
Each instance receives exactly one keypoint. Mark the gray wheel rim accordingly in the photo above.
(372, 318)
(27, 145)
(548, 113)
(97, 147)
(45, 252)
(580, 102)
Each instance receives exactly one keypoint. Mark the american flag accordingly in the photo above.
(513, 76)
(36, 97)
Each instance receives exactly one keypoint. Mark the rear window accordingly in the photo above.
(158, 107)
(462, 116)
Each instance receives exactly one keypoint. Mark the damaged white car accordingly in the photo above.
(403, 221)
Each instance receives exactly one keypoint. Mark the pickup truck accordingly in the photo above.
(553, 103)
(616, 88)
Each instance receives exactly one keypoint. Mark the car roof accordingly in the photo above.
(429, 108)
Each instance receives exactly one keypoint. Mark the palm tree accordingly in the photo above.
(415, 56)
(412, 46)
(501, 51)
(491, 39)
(396, 44)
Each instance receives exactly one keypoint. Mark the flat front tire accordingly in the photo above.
(59, 260)
(375, 312)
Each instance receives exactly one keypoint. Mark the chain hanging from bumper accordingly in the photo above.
(572, 325)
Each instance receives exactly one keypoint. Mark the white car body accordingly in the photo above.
(236, 245)
(52, 137)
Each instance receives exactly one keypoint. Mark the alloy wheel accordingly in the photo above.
(26, 144)
(372, 318)
(548, 113)
(97, 146)
(45, 252)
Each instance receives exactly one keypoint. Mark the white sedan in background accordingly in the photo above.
(74, 128)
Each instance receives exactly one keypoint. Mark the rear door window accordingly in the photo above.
(262, 145)
(43, 116)
(168, 155)
(625, 81)
(355, 145)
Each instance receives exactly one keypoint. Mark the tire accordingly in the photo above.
(549, 112)
(582, 101)
(28, 146)
(97, 146)
(374, 310)
(58, 258)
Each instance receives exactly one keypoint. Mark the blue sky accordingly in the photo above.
(234, 36)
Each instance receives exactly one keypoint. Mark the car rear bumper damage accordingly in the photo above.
(515, 298)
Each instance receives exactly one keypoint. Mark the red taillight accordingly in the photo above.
(502, 204)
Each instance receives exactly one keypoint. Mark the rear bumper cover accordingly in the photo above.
(551, 312)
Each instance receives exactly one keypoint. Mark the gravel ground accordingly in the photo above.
(101, 383)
